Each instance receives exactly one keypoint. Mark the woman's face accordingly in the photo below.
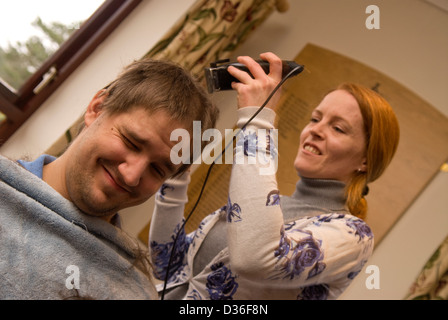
(333, 144)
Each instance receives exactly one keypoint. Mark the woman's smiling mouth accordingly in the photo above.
(312, 149)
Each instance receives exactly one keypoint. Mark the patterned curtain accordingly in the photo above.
(210, 30)
(432, 282)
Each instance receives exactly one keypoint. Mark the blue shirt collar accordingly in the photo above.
(36, 167)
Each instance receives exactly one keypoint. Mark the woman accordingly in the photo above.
(306, 246)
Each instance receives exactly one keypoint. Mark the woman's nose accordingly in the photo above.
(317, 131)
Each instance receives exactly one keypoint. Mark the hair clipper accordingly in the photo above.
(218, 78)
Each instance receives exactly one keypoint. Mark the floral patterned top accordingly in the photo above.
(258, 251)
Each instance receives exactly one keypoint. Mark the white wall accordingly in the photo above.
(411, 47)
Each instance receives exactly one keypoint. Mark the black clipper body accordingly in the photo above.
(218, 78)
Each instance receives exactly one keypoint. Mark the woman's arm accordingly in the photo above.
(315, 250)
(262, 247)
(166, 222)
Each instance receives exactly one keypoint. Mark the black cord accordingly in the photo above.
(291, 73)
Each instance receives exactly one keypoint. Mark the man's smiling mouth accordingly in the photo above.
(114, 182)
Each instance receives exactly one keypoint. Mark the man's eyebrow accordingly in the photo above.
(134, 136)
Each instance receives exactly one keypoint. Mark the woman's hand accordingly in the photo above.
(255, 91)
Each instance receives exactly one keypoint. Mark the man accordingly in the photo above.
(59, 217)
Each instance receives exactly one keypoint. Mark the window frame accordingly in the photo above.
(19, 106)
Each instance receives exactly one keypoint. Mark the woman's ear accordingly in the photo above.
(363, 167)
(95, 107)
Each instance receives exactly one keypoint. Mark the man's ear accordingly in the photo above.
(95, 107)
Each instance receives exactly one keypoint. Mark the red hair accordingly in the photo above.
(382, 136)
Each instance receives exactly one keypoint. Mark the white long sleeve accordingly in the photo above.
(166, 222)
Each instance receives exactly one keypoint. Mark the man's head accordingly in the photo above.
(122, 155)
(160, 85)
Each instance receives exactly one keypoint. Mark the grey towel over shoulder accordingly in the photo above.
(51, 250)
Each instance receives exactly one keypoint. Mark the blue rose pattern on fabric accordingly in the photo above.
(233, 211)
(249, 143)
(273, 198)
(360, 228)
(271, 148)
(353, 274)
(194, 295)
(161, 252)
(162, 190)
(305, 253)
(221, 285)
(329, 217)
(317, 292)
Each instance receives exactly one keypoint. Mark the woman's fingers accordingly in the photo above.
(254, 90)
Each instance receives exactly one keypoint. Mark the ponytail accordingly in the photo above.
(355, 193)
(382, 135)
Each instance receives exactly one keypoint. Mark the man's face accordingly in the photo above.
(120, 161)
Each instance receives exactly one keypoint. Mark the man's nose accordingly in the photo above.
(132, 170)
